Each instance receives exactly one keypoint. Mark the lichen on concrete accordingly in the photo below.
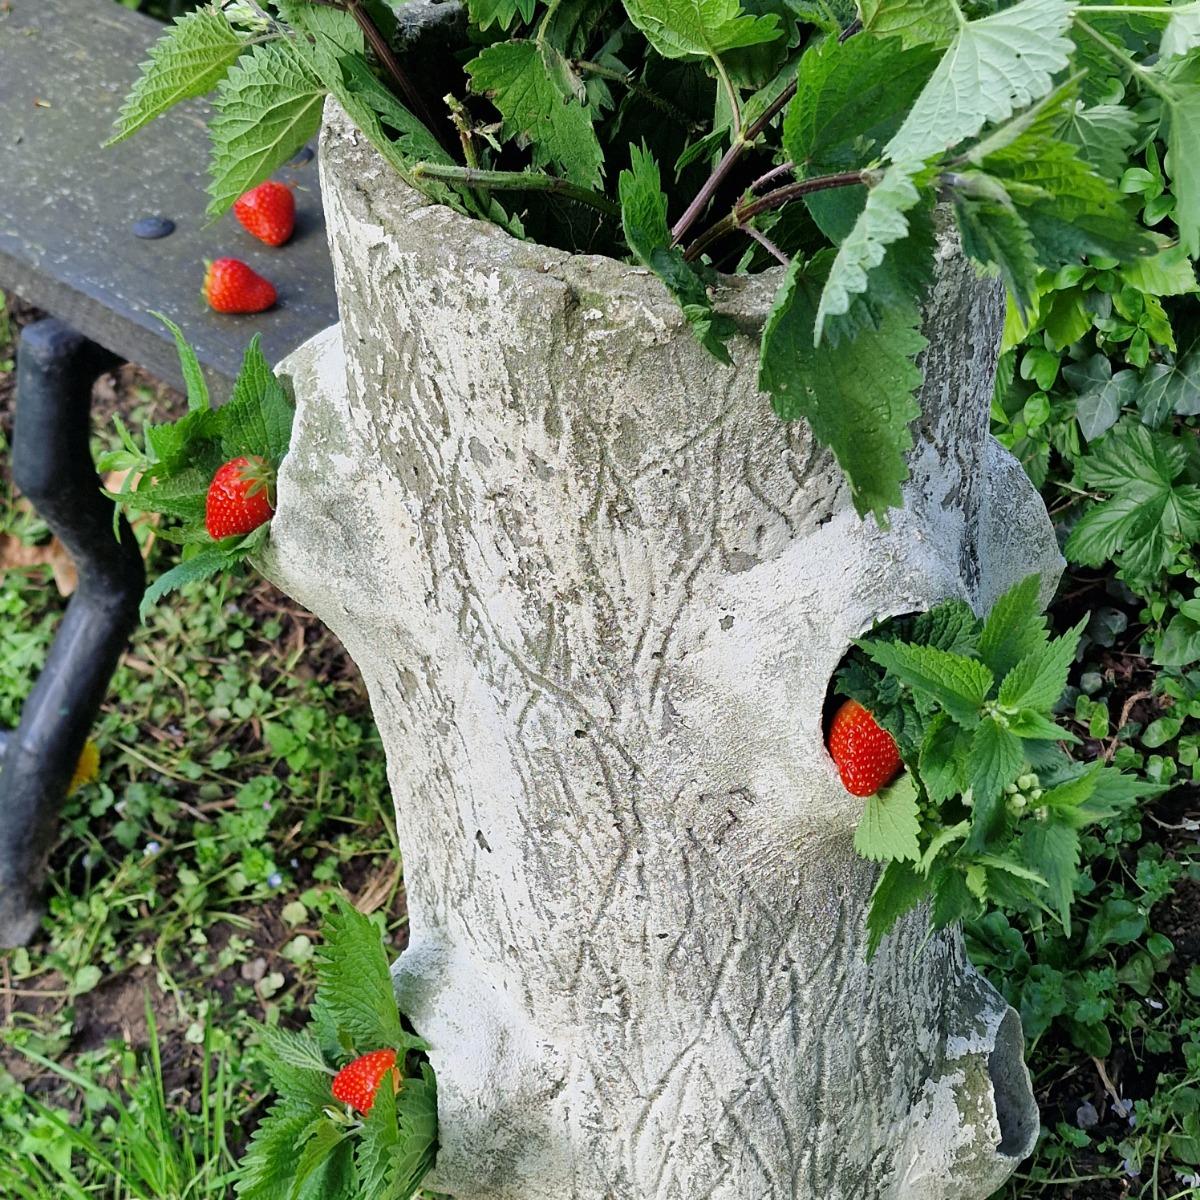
(597, 592)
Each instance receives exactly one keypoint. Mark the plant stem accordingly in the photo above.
(517, 181)
(735, 107)
(728, 161)
(625, 78)
(408, 91)
(765, 242)
(746, 210)
(854, 27)
(1135, 68)
(774, 173)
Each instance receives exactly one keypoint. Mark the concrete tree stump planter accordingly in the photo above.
(597, 591)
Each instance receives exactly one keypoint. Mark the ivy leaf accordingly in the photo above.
(857, 397)
(1148, 513)
(519, 78)
(957, 684)
(993, 66)
(644, 218)
(700, 28)
(267, 107)
(189, 60)
(1015, 627)
(899, 890)
(1180, 644)
(889, 827)
(1039, 679)
(881, 222)
(1100, 395)
(916, 22)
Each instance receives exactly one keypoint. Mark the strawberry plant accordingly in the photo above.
(366, 1130)
(991, 806)
(721, 137)
(210, 474)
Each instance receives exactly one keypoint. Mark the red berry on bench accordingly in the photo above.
(232, 287)
(239, 498)
(357, 1083)
(268, 211)
(864, 754)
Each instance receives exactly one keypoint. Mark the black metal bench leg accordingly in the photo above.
(52, 466)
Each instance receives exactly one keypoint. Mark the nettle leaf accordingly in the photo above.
(189, 366)
(1103, 134)
(957, 684)
(209, 562)
(952, 899)
(950, 625)
(943, 759)
(354, 982)
(374, 1156)
(503, 13)
(996, 758)
(189, 60)
(321, 1143)
(296, 1067)
(916, 22)
(1015, 627)
(644, 218)
(899, 890)
(266, 108)
(1183, 161)
(267, 1167)
(993, 67)
(850, 99)
(881, 222)
(998, 240)
(519, 78)
(1040, 678)
(1183, 31)
(857, 397)
(700, 28)
(416, 1111)
(258, 418)
(1148, 515)
(1051, 848)
(890, 828)
(1100, 395)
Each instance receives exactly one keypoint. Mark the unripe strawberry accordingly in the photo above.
(864, 754)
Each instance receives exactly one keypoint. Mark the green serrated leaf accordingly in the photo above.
(998, 240)
(1015, 626)
(950, 625)
(1052, 849)
(1038, 680)
(881, 222)
(266, 108)
(993, 67)
(899, 890)
(957, 684)
(1183, 162)
(1103, 134)
(189, 366)
(204, 565)
(857, 397)
(1182, 33)
(996, 758)
(515, 77)
(416, 1111)
(189, 60)
(504, 13)
(701, 29)
(644, 218)
(889, 828)
(915, 22)
(354, 982)
(952, 899)
(1033, 726)
(258, 418)
(943, 759)
(266, 1169)
(938, 843)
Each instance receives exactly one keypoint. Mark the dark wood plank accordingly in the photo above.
(67, 205)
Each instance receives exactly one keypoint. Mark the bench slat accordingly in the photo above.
(67, 205)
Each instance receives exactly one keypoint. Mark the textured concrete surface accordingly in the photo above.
(597, 592)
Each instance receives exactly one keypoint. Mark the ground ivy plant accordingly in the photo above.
(718, 136)
(169, 475)
(990, 807)
(309, 1147)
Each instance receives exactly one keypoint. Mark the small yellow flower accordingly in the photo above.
(87, 769)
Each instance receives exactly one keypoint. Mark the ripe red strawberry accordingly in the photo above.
(268, 211)
(864, 754)
(232, 287)
(357, 1082)
(239, 497)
